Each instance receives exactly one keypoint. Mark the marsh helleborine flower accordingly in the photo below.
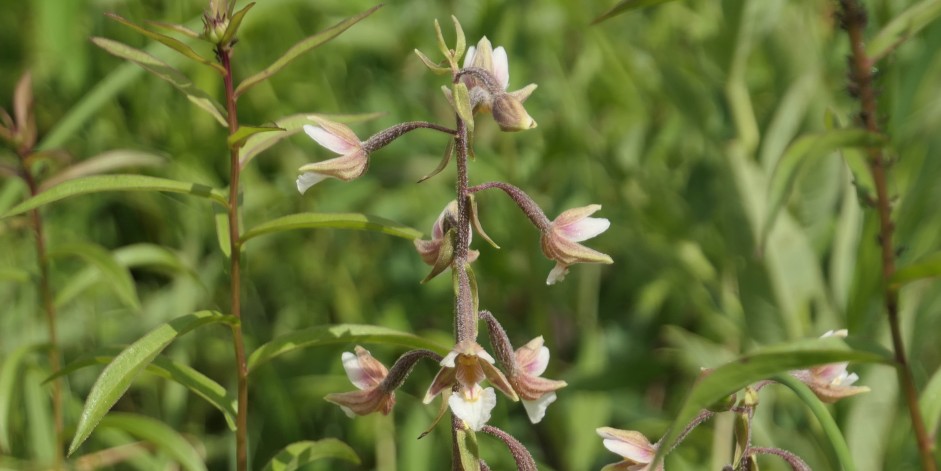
(831, 382)
(430, 250)
(366, 373)
(633, 446)
(535, 391)
(353, 160)
(467, 365)
(560, 242)
(487, 87)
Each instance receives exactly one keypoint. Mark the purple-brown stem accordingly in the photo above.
(403, 367)
(797, 464)
(241, 432)
(45, 294)
(524, 461)
(386, 136)
(525, 203)
(861, 81)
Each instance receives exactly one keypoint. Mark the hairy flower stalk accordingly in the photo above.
(376, 384)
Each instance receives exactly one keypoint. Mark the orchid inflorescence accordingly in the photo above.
(478, 86)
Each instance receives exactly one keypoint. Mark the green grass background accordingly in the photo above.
(673, 118)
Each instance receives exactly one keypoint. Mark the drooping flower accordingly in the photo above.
(367, 374)
(431, 250)
(487, 83)
(467, 365)
(560, 242)
(338, 138)
(633, 446)
(535, 391)
(831, 382)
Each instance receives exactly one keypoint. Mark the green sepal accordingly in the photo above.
(448, 152)
(445, 255)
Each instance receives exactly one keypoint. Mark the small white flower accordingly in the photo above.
(474, 409)
(561, 241)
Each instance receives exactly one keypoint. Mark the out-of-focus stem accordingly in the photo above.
(861, 82)
(241, 433)
(45, 293)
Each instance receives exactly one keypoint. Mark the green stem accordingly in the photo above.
(861, 82)
(241, 432)
(830, 428)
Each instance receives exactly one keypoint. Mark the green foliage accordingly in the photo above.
(297, 455)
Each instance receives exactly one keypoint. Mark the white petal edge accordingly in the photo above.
(585, 229)
(501, 67)
(349, 412)
(331, 141)
(309, 179)
(469, 57)
(557, 274)
(539, 363)
(474, 413)
(536, 410)
(448, 359)
(354, 371)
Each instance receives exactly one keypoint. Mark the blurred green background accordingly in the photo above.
(673, 118)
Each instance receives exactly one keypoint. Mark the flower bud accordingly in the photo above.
(510, 114)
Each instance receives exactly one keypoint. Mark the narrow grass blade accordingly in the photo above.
(296, 455)
(361, 222)
(160, 435)
(103, 163)
(119, 276)
(172, 43)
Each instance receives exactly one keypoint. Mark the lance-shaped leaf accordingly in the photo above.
(296, 455)
(221, 218)
(361, 222)
(804, 149)
(903, 26)
(460, 43)
(107, 183)
(103, 163)
(432, 65)
(300, 48)
(753, 367)
(448, 152)
(172, 43)
(10, 381)
(116, 377)
(338, 334)
(462, 106)
(161, 435)
(625, 6)
(290, 125)
(163, 367)
(928, 267)
(119, 277)
(244, 132)
(163, 70)
(175, 28)
(234, 23)
(23, 110)
(467, 449)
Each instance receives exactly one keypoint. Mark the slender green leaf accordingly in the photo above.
(103, 163)
(116, 377)
(291, 125)
(903, 26)
(805, 148)
(361, 222)
(830, 428)
(118, 276)
(296, 455)
(40, 431)
(175, 28)
(337, 334)
(223, 238)
(448, 152)
(160, 434)
(462, 105)
(164, 71)
(172, 43)
(10, 382)
(434, 67)
(625, 6)
(244, 132)
(300, 48)
(198, 383)
(105, 183)
(928, 267)
(234, 23)
(764, 364)
(930, 402)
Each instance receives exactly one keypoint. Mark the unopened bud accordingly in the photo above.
(510, 114)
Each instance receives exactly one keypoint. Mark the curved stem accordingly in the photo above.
(241, 433)
(830, 428)
(861, 84)
(525, 203)
(386, 136)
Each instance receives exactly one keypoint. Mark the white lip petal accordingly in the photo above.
(330, 141)
(585, 229)
(557, 274)
(501, 67)
(474, 413)
(536, 410)
(307, 180)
